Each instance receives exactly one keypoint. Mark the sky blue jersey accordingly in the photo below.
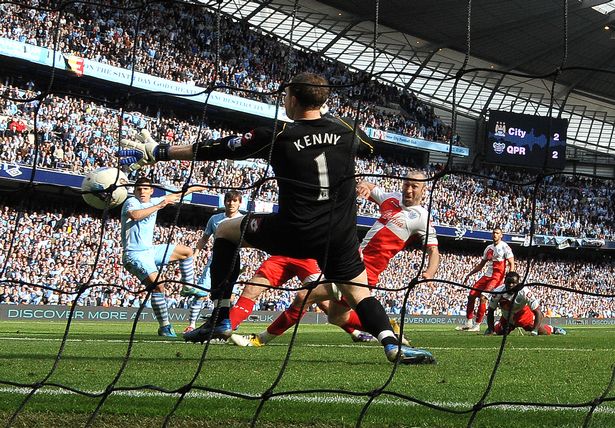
(138, 235)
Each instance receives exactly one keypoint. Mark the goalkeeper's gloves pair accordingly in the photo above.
(142, 150)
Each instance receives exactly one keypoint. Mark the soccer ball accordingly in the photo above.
(96, 182)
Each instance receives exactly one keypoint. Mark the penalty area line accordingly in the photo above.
(333, 399)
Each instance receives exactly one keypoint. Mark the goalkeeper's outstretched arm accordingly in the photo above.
(143, 150)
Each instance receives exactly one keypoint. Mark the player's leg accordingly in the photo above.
(244, 306)
(142, 264)
(355, 334)
(162, 256)
(286, 319)
(376, 322)
(473, 295)
(488, 286)
(224, 272)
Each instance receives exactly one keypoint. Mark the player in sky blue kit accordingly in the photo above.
(141, 257)
(232, 201)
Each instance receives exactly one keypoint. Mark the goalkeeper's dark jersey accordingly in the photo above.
(313, 161)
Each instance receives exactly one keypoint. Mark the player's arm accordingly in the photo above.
(364, 189)
(144, 150)
(511, 264)
(201, 243)
(140, 214)
(434, 261)
(477, 268)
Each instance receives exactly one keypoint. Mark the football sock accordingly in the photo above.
(286, 320)
(375, 321)
(159, 306)
(353, 323)
(186, 267)
(548, 328)
(482, 308)
(240, 311)
(222, 308)
(195, 310)
(223, 271)
(470, 308)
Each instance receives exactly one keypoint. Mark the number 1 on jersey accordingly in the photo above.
(323, 177)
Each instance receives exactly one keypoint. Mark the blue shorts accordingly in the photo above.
(143, 263)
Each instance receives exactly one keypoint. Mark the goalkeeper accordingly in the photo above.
(313, 160)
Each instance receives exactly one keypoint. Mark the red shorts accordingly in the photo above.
(485, 283)
(279, 269)
(523, 318)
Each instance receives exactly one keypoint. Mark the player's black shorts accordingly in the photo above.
(272, 234)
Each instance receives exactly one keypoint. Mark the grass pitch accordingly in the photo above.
(556, 370)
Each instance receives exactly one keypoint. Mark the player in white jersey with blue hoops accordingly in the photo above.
(232, 202)
(141, 257)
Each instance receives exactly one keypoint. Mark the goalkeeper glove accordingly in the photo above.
(142, 150)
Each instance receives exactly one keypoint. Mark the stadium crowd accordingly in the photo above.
(58, 249)
(252, 63)
(77, 136)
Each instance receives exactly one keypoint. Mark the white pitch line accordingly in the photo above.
(308, 345)
(334, 399)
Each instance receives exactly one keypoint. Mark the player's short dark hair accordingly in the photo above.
(310, 89)
(232, 194)
(143, 180)
(512, 276)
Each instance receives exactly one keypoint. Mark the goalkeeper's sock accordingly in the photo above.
(241, 311)
(375, 321)
(224, 270)
(286, 320)
(186, 267)
(221, 309)
(159, 306)
(195, 309)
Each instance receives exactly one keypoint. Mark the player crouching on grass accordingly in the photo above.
(518, 307)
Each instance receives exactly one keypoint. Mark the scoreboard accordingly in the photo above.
(525, 140)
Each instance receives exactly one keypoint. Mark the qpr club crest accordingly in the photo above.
(499, 147)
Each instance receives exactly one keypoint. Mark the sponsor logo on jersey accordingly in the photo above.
(254, 224)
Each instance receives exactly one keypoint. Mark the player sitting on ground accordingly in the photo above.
(498, 255)
(523, 312)
(402, 221)
(232, 202)
(141, 257)
(314, 161)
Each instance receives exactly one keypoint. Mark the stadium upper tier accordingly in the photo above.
(178, 44)
(57, 249)
(77, 136)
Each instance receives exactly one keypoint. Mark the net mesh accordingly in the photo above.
(140, 16)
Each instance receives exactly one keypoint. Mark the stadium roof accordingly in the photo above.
(421, 46)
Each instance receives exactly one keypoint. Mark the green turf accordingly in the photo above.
(570, 369)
